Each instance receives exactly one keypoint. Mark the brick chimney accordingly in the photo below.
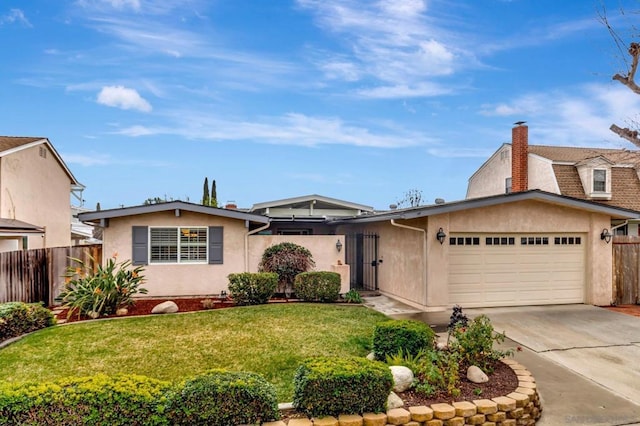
(519, 157)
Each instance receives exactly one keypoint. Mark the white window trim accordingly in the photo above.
(603, 195)
(178, 262)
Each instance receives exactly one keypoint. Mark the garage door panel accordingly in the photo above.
(536, 272)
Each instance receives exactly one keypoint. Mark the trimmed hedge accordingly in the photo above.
(97, 400)
(319, 286)
(326, 386)
(17, 318)
(401, 336)
(249, 288)
(222, 398)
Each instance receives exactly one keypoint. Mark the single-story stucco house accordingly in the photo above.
(189, 249)
(525, 248)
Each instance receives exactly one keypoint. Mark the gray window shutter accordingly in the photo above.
(140, 241)
(215, 245)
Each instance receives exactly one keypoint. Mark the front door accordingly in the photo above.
(361, 253)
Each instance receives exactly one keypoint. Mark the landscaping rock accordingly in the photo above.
(122, 312)
(167, 307)
(394, 401)
(476, 375)
(371, 356)
(402, 378)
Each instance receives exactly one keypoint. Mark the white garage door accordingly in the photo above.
(516, 269)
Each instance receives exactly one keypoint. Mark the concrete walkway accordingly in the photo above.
(586, 360)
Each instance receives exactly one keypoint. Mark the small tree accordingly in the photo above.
(287, 260)
(206, 200)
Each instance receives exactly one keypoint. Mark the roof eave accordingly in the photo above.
(172, 205)
(614, 212)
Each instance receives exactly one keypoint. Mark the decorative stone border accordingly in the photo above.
(519, 408)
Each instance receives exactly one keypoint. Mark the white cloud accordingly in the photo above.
(404, 91)
(289, 129)
(15, 16)
(124, 98)
(96, 159)
(121, 4)
(574, 116)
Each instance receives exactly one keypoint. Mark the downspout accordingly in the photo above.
(246, 243)
(626, 222)
(424, 254)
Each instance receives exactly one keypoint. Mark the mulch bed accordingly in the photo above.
(144, 307)
(625, 309)
(501, 382)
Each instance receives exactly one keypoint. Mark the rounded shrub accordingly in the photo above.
(248, 288)
(17, 318)
(287, 260)
(329, 386)
(97, 400)
(222, 398)
(320, 286)
(401, 336)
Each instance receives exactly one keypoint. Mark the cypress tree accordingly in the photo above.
(205, 193)
(214, 194)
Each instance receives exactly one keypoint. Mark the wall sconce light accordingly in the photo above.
(339, 246)
(440, 236)
(606, 235)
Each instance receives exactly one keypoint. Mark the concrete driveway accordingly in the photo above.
(599, 349)
(586, 360)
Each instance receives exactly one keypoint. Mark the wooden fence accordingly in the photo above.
(38, 275)
(626, 269)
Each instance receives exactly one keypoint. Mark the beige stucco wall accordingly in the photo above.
(490, 179)
(322, 248)
(180, 279)
(401, 274)
(36, 190)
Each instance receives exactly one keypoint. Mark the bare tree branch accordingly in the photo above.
(629, 79)
(626, 133)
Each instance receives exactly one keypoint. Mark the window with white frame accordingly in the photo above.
(599, 180)
(178, 245)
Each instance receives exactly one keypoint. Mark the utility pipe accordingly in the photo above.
(246, 243)
(424, 254)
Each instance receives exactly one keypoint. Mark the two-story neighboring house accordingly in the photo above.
(35, 187)
(606, 176)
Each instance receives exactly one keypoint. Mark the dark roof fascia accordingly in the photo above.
(171, 205)
(13, 226)
(536, 195)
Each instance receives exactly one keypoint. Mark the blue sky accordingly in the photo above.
(356, 100)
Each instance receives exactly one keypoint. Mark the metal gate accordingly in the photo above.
(361, 253)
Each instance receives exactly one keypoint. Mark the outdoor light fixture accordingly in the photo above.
(440, 236)
(339, 246)
(606, 235)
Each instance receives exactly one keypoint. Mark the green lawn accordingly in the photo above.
(267, 339)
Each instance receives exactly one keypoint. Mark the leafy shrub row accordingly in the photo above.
(401, 336)
(216, 398)
(330, 386)
(248, 288)
(317, 286)
(18, 318)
